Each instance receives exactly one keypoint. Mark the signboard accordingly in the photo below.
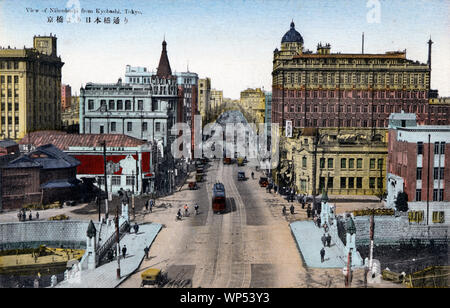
(289, 129)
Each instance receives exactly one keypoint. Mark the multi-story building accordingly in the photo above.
(189, 83)
(440, 109)
(30, 88)
(253, 102)
(204, 97)
(418, 160)
(325, 89)
(70, 117)
(216, 100)
(268, 117)
(142, 110)
(66, 97)
(350, 163)
(138, 75)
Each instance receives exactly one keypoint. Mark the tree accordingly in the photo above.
(401, 204)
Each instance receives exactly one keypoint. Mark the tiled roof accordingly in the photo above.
(6, 143)
(63, 140)
(47, 157)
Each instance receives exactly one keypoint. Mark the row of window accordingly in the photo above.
(119, 105)
(144, 127)
(439, 148)
(16, 120)
(116, 180)
(438, 194)
(9, 65)
(438, 173)
(349, 182)
(351, 163)
(418, 216)
(352, 108)
(340, 122)
(354, 94)
(9, 79)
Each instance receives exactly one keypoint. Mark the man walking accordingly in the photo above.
(324, 239)
(152, 202)
(146, 252)
(124, 251)
(322, 254)
(328, 240)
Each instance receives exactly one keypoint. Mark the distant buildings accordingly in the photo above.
(204, 98)
(418, 164)
(42, 176)
(253, 102)
(188, 81)
(30, 88)
(66, 97)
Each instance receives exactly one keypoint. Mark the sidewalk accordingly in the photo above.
(105, 275)
(308, 238)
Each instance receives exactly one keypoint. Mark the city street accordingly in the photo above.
(248, 246)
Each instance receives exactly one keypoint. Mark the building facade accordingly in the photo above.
(418, 160)
(325, 89)
(142, 110)
(204, 98)
(188, 81)
(30, 88)
(66, 97)
(350, 163)
(253, 102)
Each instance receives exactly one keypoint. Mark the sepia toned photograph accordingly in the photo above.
(224, 152)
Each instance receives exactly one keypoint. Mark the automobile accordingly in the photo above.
(240, 161)
(153, 276)
(227, 160)
(263, 181)
(241, 176)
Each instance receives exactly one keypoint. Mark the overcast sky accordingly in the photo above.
(231, 41)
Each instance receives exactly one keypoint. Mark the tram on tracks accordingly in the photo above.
(218, 198)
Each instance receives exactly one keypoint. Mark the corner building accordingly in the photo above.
(325, 89)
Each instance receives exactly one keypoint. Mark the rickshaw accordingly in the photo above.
(152, 276)
(192, 185)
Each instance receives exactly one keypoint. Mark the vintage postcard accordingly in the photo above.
(227, 149)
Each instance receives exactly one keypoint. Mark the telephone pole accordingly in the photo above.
(103, 143)
(118, 246)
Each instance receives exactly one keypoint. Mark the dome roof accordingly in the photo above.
(292, 36)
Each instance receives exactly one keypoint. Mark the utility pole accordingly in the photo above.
(348, 279)
(372, 230)
(428, 176)
(103, 143)
(118, 246)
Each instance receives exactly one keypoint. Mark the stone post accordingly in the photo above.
(91, 248)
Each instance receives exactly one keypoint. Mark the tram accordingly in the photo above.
(218, 198)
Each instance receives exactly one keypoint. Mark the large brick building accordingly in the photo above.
(325, 89)
(417, 164)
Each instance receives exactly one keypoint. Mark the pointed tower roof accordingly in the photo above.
(164, 65)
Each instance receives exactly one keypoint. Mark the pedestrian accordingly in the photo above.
(24, 216)
(322, 254)
(124, 251)
(19, 215)
(146, 252)
(30, 216)
(136, 228)
(323, 239)
(292, 209)
(308, 212)
(318, 221)
(275, 189)
(152, 202)
(186, 210)
(328, 240)
(325, 227)
(315, 220)
(146, 205)
(37, 215)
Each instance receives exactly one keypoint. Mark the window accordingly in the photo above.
(330, 182)
(419, 148)
(111, 105)
(16, 79)
(140, 105)
(113, 126)
(379, 182)
(321, 183)
(322, 163)
(435, 195)
(343, 182)
(436, 173)
(90, 104)
(343, 163)
(372, 163)
(119, 105)
(102, 129)
(103, 103)
(419, 173)
(441, 173)
(351, 182)
(330, 163)
(359, 163)
(130, 180)
(438, 217)
(101, 181)
(371, 182)
(351, 163)
(144, 126)
(358, 182)
(442, 148)
(304, 162)
(418, 194)
(116, 180)
(154, 105)
(127, 105)
(441, 195)
(157, 126)
(436, 148)
(8, 78)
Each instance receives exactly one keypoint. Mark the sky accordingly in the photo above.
(230, 41)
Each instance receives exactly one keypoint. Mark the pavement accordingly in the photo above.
(105, 275)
